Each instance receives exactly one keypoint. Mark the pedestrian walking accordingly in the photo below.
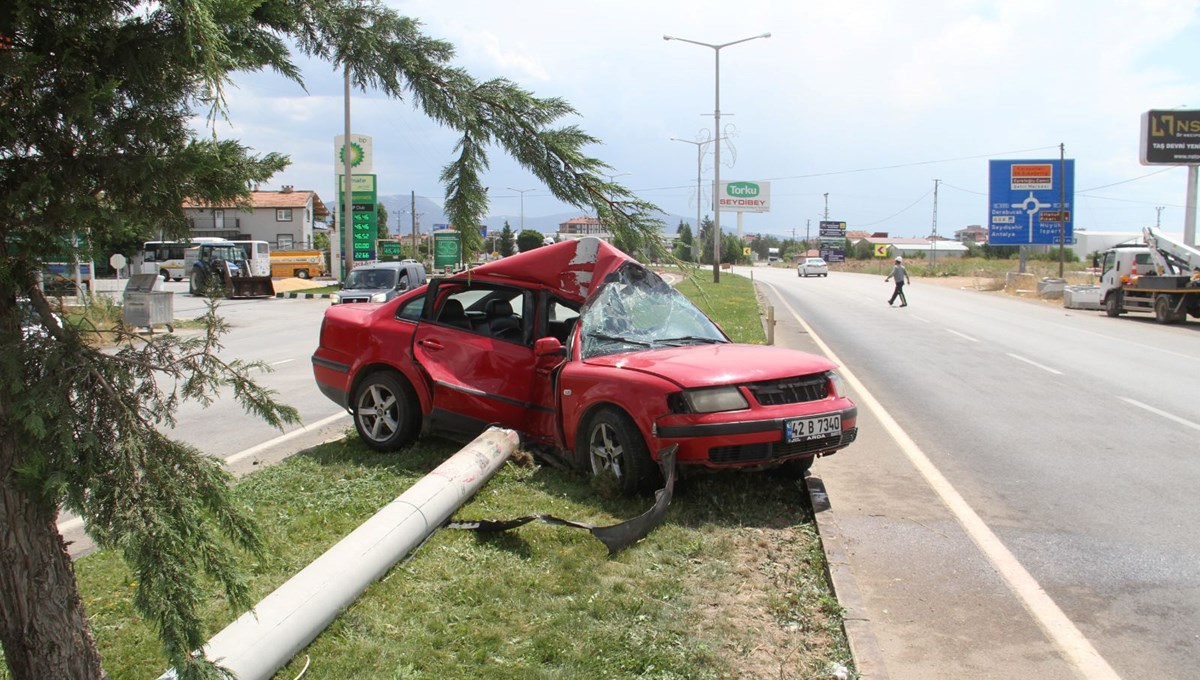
(901, 275)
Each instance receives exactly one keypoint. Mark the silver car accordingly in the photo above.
(812, 266)
(379, 282)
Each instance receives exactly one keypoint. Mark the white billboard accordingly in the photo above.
(744, 197)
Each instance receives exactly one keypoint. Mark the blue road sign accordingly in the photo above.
(1024, 199)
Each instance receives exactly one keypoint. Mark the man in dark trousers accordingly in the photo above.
(901, 275)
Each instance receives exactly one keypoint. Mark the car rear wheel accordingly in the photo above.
(302, 273)
(614, 444)
(385, 412)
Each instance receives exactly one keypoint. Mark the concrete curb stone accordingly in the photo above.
(304, 296)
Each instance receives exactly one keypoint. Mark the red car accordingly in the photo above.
(578, 347)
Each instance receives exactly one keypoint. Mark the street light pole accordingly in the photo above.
(699, 191)
(717, 149)
(522, 192)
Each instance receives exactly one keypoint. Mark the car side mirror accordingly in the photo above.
(547, 347)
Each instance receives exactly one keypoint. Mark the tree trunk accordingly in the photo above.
(43, 626)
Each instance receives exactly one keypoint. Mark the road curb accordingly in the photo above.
(304, 296)
(864, 646)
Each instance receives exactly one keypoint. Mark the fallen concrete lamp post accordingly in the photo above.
(261, 641)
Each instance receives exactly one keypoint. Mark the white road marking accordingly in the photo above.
(75, 522)
(1034, 363)
(920, 318)
(1060, 629)
(282, 361)
(1164, 414)
(961, 335)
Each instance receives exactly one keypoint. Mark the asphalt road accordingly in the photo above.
(280, 332)
(1020, 502)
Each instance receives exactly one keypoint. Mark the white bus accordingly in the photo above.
(165, 258)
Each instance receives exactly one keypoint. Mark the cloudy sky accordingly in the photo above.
(855, 107)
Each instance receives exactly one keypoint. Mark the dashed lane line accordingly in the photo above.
(1164, 414)
(964, 336)
(1031, 362)
(1054, 622)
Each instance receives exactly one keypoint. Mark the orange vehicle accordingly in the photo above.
(303, 264)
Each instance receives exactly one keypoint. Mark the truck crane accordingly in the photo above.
(1159, 275)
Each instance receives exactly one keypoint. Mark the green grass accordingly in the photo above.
(320, 291)
(732, 303)
(732, 585)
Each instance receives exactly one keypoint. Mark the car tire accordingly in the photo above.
(612, 442)
(302, 273)
(386, 411)
(166, 275)
(795, 468)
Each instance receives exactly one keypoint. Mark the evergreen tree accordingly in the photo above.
(508, 241)
(381, 215)
(96, 104)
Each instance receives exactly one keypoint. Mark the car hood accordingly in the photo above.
(711, 365)
(363, 291)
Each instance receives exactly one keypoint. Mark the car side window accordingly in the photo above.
(485, 310)
(411, 310)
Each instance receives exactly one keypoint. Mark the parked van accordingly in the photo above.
(380, 282)
(302, 264)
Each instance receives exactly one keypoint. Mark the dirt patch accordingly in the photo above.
(765, 614)
(290, 284)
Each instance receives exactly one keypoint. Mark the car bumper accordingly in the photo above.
(736, 443)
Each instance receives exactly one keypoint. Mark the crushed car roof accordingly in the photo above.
(573, 268)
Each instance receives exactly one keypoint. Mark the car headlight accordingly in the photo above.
(379, 297)
(335, 298)
(714, 399)
(838, 388)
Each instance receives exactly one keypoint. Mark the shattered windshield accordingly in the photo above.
(635, 309)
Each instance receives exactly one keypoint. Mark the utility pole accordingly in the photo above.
(933, 239)
(1062, 208)
(413, 212)
(1158, 220)
(807, 227)
(826, 206)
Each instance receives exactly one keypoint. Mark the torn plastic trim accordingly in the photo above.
(616, 537)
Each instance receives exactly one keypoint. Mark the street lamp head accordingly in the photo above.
(667, 37)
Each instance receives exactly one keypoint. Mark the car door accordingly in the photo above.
(475, 379)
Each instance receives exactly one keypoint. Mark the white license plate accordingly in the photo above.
(815, 427)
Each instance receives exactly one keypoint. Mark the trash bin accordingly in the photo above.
(147, 307)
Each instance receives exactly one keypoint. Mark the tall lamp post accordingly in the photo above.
(522, 192)
(699, 192)
(717, 149)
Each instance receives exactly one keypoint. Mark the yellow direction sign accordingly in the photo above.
(746, 252)
(881, 249)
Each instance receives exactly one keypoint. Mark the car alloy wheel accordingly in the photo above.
(613, 443)
(385, 412)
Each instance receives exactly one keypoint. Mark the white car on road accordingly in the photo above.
(812, 266)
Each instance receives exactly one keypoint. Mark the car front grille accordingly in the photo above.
(769, 451)
(791, 390)
(355, 299)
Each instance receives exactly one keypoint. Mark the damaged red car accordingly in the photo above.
(580, 348)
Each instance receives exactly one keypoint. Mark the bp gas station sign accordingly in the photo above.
(366, 215)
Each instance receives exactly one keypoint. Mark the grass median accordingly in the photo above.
(732, 585)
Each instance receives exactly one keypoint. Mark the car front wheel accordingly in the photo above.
(386, 412)
(613, 443)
